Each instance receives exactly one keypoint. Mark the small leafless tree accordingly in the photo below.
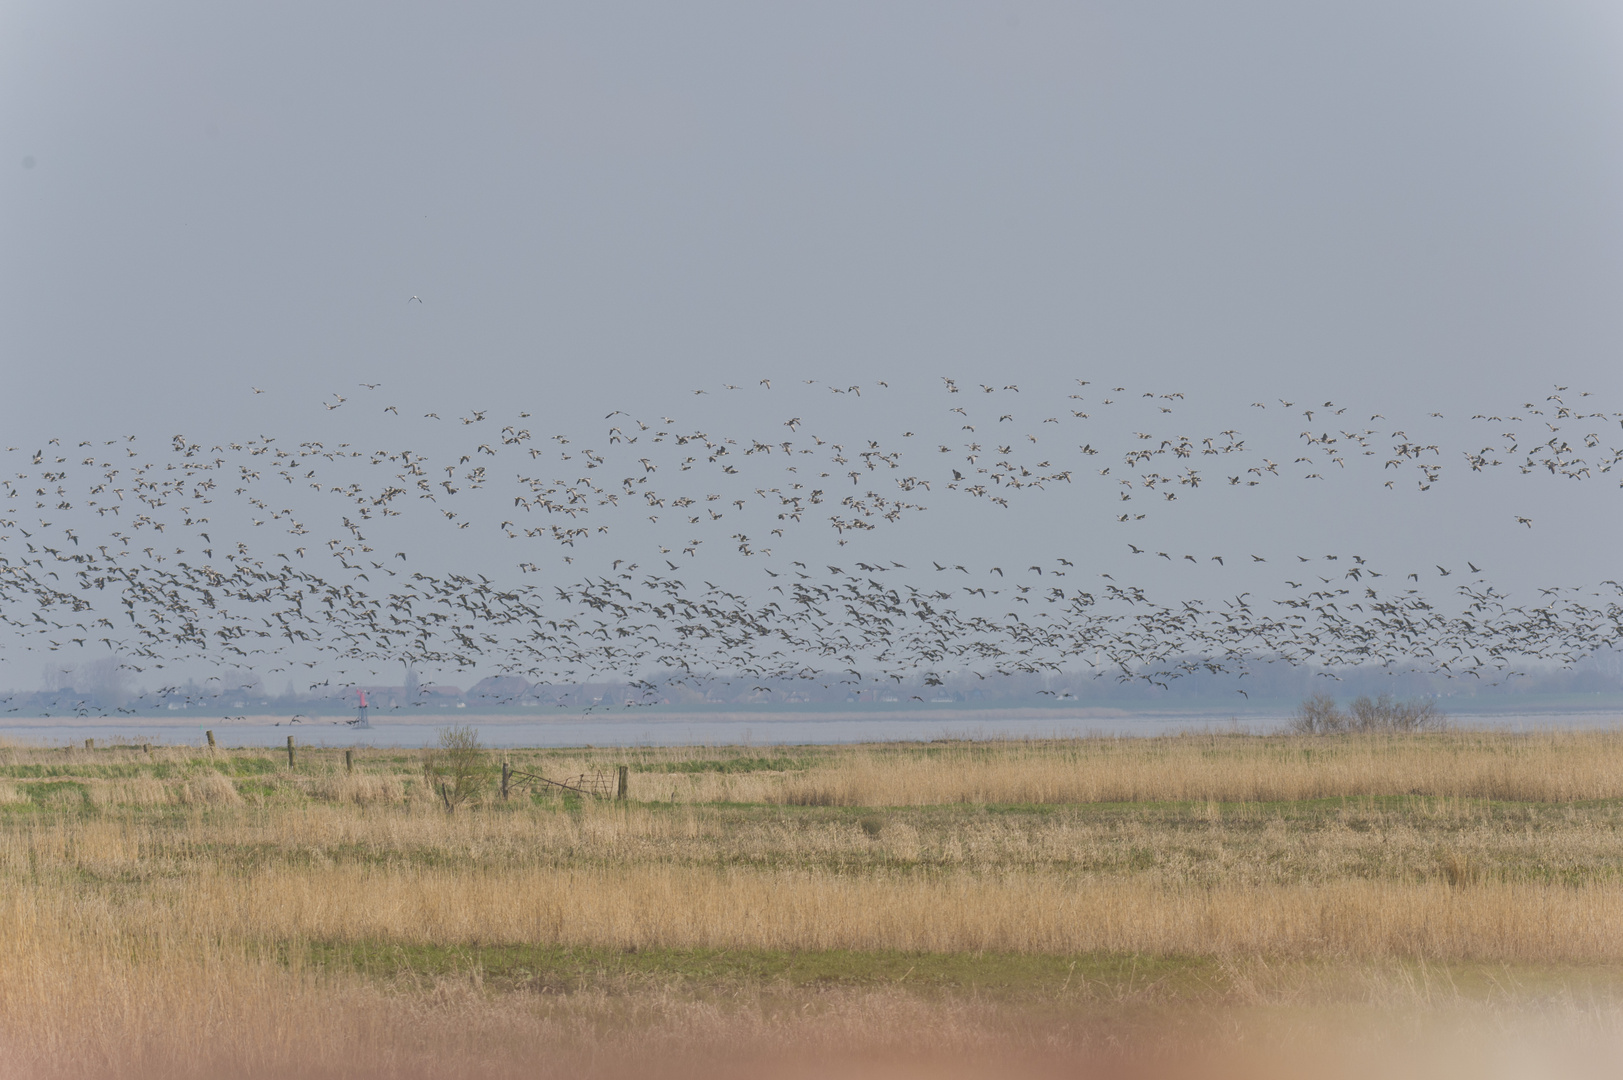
(457, 770)
(1384, 714)
(1319, 715)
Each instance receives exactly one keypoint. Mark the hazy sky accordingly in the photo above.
(606, 205)
(593, 196)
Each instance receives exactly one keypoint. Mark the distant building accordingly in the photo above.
(499, 690)
(441, 697)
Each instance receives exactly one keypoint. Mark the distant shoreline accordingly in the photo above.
(622, 717)
(1263, 711)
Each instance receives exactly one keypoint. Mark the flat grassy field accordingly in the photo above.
(969, 908)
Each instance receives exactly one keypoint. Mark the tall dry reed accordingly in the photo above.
(1554, 767)
(158, 911)
(689, 907)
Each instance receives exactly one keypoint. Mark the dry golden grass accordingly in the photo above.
(77, 999)
(155, 1006)
(689, 907)
(209, 789)
(161, 911)
(359, 788)
(1555, 767)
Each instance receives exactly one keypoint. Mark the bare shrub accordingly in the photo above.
(458, 769)
(1319, 715)
(1384, 714)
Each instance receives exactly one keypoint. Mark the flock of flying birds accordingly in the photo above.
(331, 557)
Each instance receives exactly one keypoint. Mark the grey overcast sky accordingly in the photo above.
(610, 198)
(1406, 205)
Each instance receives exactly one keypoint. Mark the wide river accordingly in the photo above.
(709, 730)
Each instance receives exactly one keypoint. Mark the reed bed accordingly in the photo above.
(80, 998)
(688, 907)
(1556, 767)
(162, 909)
(72, 1007)
(1544, 767)
(1198, 847)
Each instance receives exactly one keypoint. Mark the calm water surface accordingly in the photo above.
(680, 731)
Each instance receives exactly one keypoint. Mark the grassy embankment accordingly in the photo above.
(184, 909)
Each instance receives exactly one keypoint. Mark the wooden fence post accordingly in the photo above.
(507, 773)
(349, 761)
(90, 744)
(290, 751)
(210, 734)
(620, 789)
